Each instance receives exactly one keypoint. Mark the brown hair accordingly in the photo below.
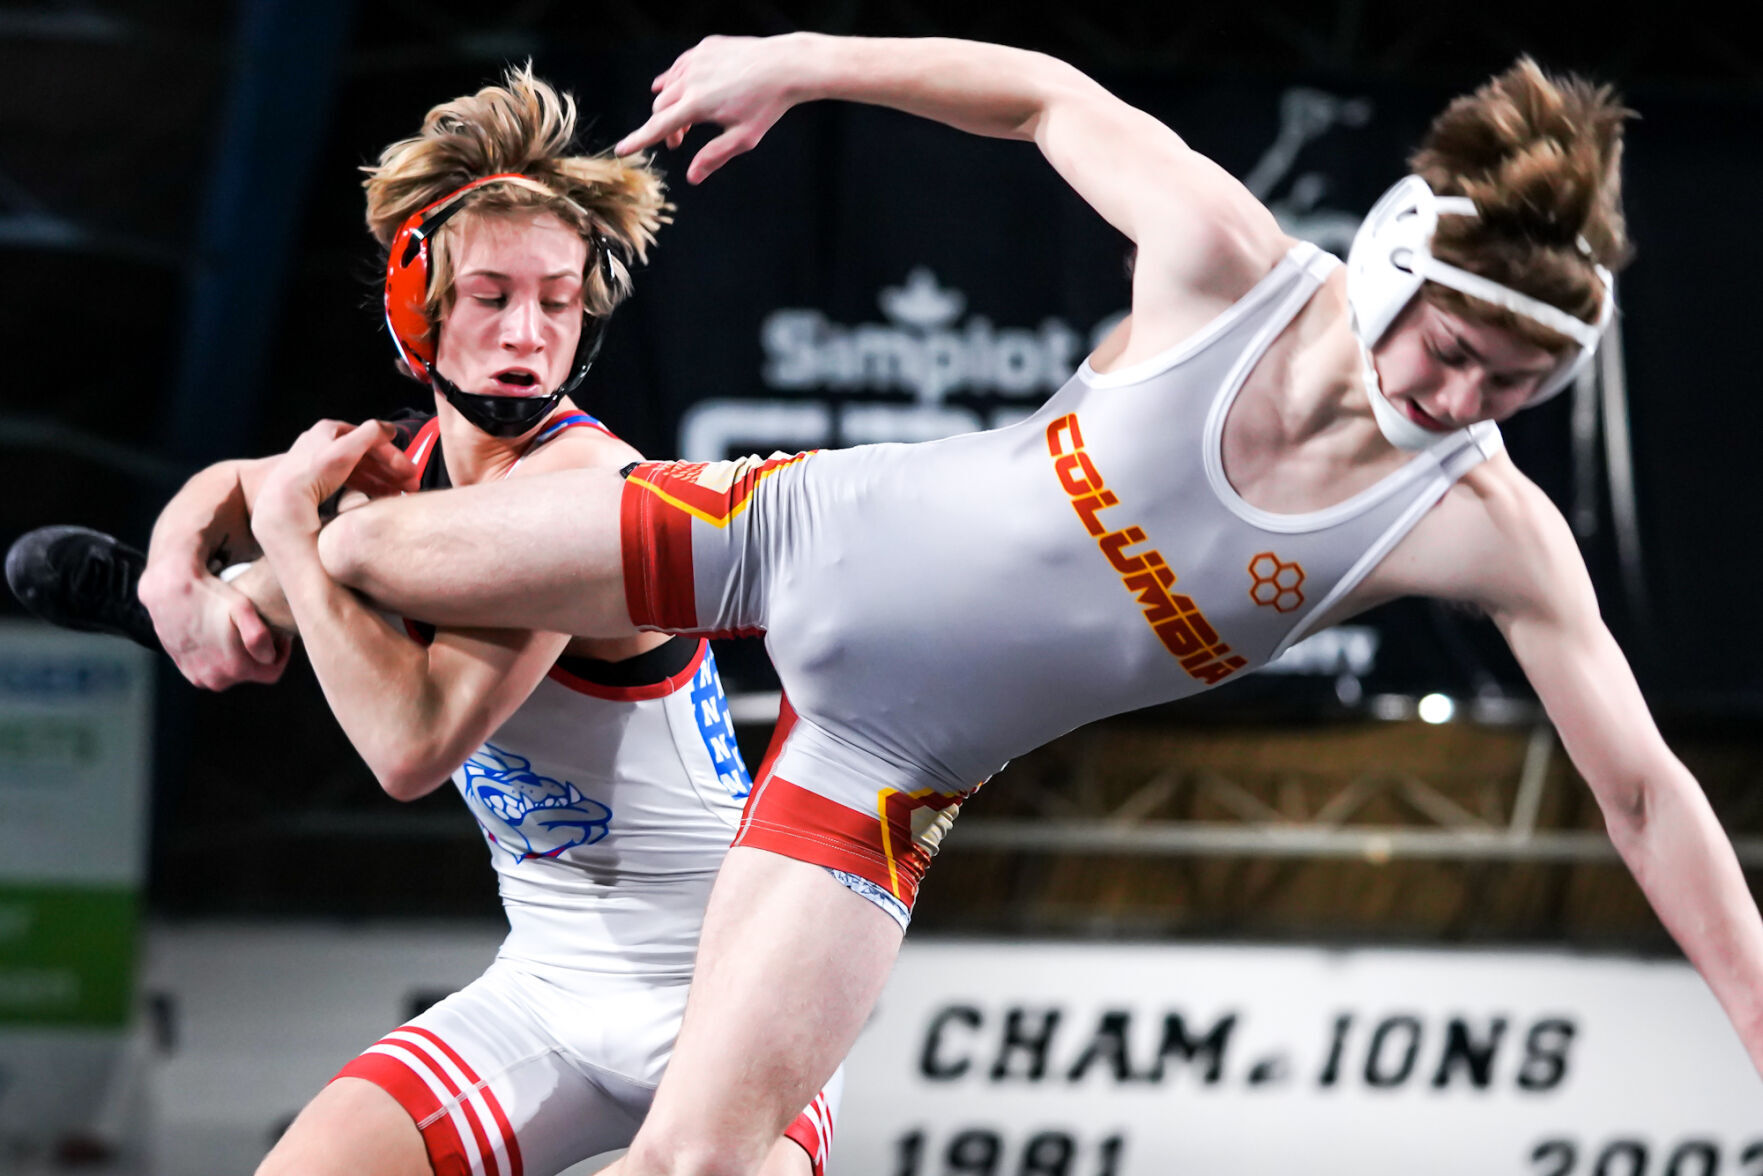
(522, 126)
(1540, 156)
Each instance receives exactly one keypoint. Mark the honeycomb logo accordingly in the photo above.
(1278, 585)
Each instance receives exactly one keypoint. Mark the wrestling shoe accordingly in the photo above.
(83, 579)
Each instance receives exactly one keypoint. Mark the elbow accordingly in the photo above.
(407, 786)
(406, 775)
(1628, 810)
(1055, 85)
(1636, 792)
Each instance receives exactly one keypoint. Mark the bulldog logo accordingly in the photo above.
(527, 814)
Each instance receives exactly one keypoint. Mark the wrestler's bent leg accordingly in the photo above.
(787, 1159)
(350, 1128)
(789, 966)
(530, 553)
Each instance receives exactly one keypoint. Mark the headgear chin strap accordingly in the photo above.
(1391, 259)
(407, 281)
(1397, 429)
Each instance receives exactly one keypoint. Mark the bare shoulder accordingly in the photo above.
(1197, 227)
(585, 448)
(1191, 220)
(1201, 238)
(1186, 277)
(1214, 246)
(1494, 540)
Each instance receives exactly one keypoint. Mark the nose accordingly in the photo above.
(522, 325)
(1460, 396)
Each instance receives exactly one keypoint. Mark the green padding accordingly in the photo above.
(67, 955)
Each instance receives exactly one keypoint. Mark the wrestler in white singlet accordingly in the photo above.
(607, 801)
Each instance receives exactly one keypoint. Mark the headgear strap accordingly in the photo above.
(407, 320)
(1391, 259)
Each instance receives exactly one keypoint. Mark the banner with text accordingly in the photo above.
(1011, 1059)
(75, 761)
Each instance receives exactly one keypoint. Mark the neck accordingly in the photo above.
(1300, 436)
(1322, 393)
(472, 455)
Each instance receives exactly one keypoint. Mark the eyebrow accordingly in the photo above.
(489, 273)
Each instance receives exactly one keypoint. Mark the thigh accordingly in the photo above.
(820, 797)
(489, 1090)
(621, 1031)
(449, 557)
(787, 1158)
(703, 541)
(789, 967)
(351, 1128)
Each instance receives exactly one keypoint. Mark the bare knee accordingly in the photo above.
(787, 1158)
(351, 1128)
(701, 1153)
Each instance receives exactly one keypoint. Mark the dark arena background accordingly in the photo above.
(1353, 914)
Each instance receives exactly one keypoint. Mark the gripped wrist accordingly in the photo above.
(285, 537)
(165, 579)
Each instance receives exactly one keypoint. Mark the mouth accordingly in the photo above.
(516, 382)
(1423, 418)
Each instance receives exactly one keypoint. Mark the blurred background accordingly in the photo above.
(1355, 913)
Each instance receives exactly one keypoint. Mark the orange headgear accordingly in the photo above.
(407, 282)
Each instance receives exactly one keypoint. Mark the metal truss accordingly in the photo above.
(1060, 808)
(1309, 817)
(1329, 831)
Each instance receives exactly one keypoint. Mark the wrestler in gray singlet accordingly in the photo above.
(924, 635)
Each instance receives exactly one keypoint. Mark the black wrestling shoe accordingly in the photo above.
(83, 579)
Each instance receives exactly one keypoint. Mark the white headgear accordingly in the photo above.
(1392, 257)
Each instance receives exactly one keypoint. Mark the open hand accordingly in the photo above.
(741, 84)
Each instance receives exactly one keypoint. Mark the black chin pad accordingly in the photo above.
(499, 416)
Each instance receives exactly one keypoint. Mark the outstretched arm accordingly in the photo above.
(1657, 815)
(1186, 214)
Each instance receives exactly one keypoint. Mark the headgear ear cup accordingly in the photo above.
(407, 276)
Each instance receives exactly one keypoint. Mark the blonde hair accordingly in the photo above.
(526, 127)
(1540, 156)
